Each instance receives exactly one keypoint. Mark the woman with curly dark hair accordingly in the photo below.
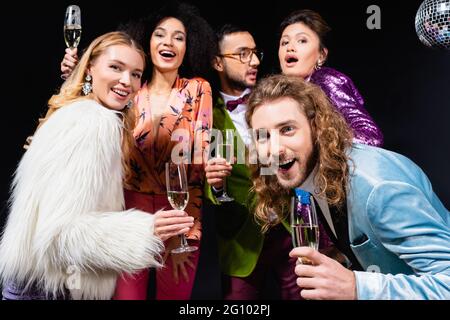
(169, 104)
(173, 109)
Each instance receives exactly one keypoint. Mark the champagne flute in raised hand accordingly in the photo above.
(304, 222)
(72, 26)
(72, 29)
(225, 150)
(178, 195)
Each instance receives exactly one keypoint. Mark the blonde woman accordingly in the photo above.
(67, 235)
(173, 108)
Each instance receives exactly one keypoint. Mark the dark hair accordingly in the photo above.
(200, 44)
(311, 19)
(227, 29)
(221, 32)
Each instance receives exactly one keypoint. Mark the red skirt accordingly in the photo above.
(134, 287)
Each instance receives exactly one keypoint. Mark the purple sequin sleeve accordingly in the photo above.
(348, 101)
(12, 291)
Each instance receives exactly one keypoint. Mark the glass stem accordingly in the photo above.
(183, 241)
(225, 186)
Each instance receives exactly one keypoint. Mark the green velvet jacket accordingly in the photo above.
(240, 238)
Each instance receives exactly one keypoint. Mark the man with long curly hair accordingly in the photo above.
(246, 255)
(378, 206)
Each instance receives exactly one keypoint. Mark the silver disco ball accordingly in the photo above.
(433, 23)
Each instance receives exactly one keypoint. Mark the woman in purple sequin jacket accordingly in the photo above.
(302, 53)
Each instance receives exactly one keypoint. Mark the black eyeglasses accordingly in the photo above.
(245, 55)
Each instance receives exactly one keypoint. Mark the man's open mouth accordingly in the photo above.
(287, 164)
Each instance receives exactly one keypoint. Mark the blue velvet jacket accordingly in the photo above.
(398, 228)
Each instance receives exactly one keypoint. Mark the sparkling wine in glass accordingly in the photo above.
(178, 195)
(225, 150)
(304, 222)
(72, 26)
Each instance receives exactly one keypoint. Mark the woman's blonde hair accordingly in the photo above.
(331, 138)
(71, 90)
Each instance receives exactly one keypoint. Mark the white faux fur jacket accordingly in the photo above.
(66, 225)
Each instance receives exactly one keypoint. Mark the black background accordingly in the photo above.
(406, 85)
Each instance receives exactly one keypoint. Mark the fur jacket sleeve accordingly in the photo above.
(66, 221)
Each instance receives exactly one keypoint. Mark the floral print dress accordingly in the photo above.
(184, 131)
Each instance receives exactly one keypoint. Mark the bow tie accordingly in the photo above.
(232, 104)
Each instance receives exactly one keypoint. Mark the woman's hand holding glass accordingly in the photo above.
(171, 223)
(69, 62)
(178, 196)
(72, 36)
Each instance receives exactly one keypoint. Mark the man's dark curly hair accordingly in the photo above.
(200, 44)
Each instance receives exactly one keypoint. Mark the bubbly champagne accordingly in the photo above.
(72, 35)
(225, 151)
(305, 236)
(178, 199)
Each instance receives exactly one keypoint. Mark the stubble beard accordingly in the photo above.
(302, 175)
(291, 183)
(237, 84)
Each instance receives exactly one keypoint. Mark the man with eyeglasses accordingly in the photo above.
(246, 254)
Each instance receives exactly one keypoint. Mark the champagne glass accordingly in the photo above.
(225, 149)
(304, 222)
(178, 195)
(72, 26)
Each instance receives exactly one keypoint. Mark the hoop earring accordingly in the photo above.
(87, 86)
